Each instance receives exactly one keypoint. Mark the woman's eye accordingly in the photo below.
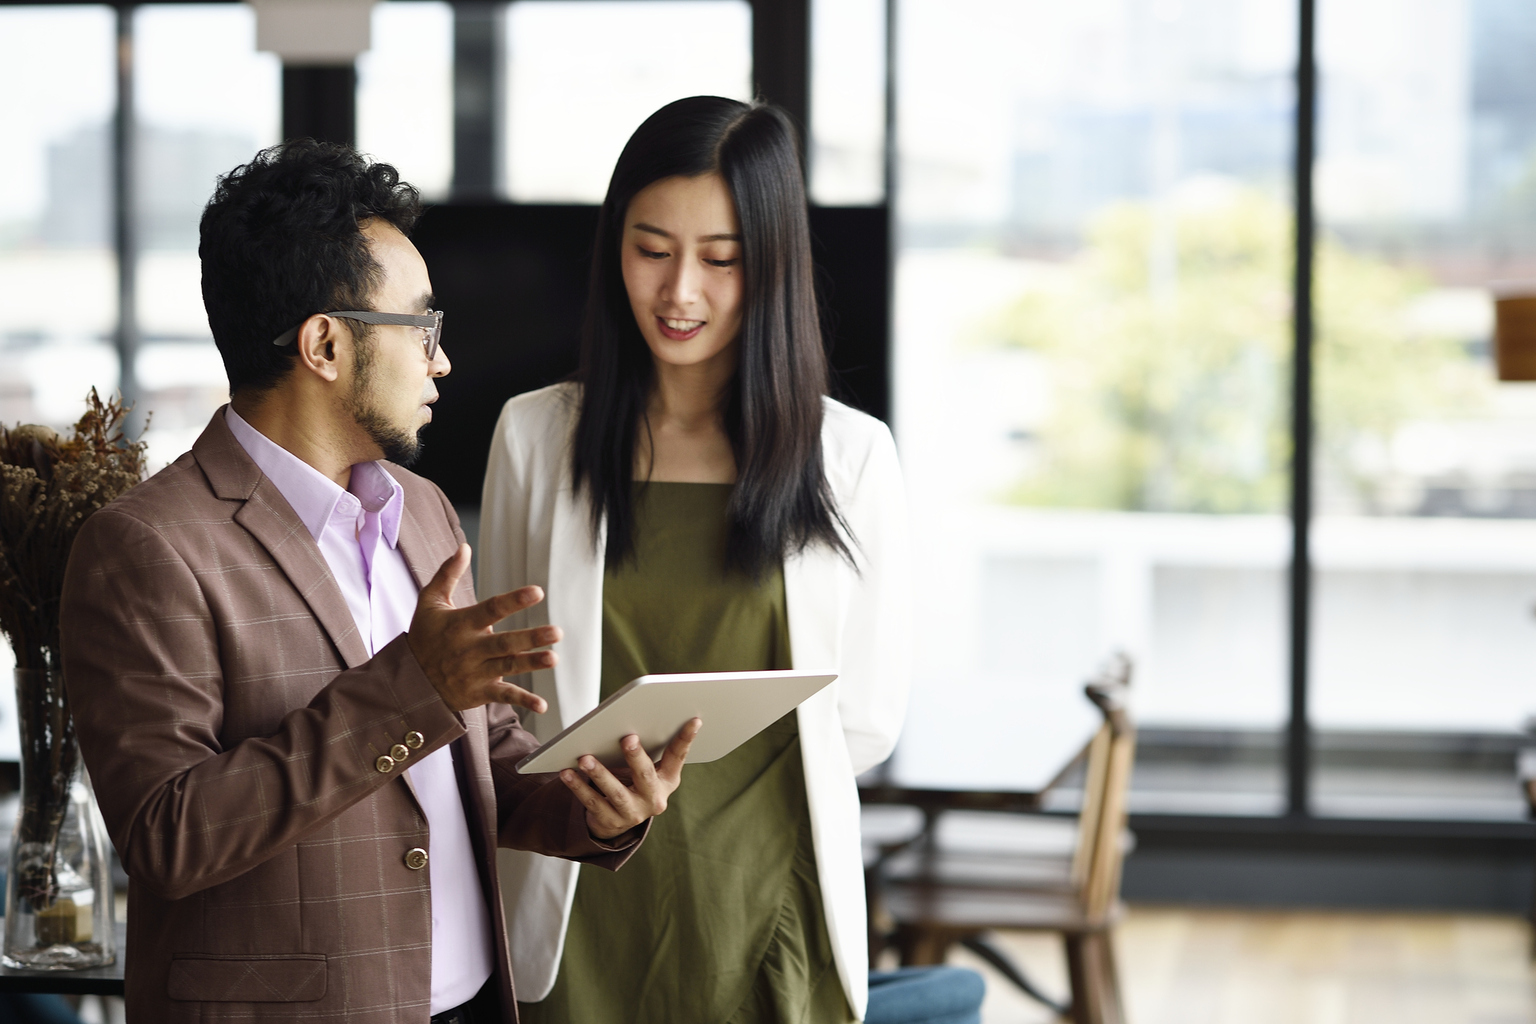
(723, 263)
(648, 254)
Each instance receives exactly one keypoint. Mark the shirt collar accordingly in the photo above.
(315, 496)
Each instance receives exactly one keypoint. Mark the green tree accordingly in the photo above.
(1174, 396)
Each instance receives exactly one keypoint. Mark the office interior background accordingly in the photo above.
(1180, 311)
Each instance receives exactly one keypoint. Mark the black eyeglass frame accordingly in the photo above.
(431, 321)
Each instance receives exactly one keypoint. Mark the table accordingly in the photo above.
(958, 758)
(1015, 742)
(93, 981)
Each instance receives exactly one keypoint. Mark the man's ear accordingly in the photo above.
(319, 337)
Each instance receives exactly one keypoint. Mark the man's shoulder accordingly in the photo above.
(178, 493)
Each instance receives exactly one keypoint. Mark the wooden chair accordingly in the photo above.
(929, 895)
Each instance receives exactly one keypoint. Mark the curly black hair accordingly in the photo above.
(281, 240)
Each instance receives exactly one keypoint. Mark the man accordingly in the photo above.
(291, 707)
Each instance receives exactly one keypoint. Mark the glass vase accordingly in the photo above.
(58, 886)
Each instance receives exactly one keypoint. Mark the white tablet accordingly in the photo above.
(734, 706)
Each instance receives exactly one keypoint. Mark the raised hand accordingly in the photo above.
(460, 652)
(615, 805)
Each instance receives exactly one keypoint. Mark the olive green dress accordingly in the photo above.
(717, 919)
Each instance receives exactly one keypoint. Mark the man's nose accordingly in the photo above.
(440, 364)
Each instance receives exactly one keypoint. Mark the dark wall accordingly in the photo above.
(512, 280)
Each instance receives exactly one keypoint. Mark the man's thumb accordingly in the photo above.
(439, 590)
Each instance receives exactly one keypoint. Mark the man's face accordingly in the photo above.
(392, 385)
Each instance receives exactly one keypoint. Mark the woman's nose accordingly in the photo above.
(683, 283)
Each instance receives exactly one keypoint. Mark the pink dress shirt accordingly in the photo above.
(357, 530)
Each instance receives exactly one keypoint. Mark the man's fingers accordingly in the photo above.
(590, 798)
(518, 664)
(642, 770)
(493, 609)
(506, 693)
(618, 794)
(519, 641)
(439, 589)
(672, 758)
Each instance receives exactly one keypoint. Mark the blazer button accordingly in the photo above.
(414, 740)
(385, 764)
(399, 752)
(416, 859)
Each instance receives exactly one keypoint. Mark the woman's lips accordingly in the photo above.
(673, 334)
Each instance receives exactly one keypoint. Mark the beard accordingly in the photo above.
(399, 445)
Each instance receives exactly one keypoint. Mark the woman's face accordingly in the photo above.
(681, 258)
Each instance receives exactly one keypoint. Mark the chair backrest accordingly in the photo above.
(1100, 852)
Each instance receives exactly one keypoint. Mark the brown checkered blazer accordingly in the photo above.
(232, 723)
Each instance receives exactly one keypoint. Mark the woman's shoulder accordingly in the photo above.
(849, 435)
(531, 417)
(562, 400)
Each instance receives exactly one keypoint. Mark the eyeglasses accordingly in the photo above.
(430, 322)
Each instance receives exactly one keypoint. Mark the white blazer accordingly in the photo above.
(534, 530)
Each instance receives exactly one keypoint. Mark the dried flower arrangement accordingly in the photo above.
(49, 486)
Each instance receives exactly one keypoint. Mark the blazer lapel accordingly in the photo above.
(482, 790)
(269, 518)
(576, 605)
(423, 553)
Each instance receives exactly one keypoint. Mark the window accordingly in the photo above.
(405, 93)
(847, 147)
(1425, 536)
(581, 77)
(205, 102)
(58, 275)
(1092, 361)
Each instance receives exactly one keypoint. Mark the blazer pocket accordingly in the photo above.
(284, 978)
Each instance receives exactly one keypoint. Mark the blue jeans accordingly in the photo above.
(29, 1008)
(925, 995)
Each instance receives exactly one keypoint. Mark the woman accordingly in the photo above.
(694, 502)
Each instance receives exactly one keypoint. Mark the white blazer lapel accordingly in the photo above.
(576, 606)
(815, 591)
(536, 891)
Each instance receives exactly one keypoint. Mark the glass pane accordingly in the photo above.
(847, 102)
(582, 75)
(58, 277)
(405, 93)
(1426, 581)
(1092, 363)
(206, 101)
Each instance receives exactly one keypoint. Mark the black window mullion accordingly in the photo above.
(1298, 748)
(124, 220)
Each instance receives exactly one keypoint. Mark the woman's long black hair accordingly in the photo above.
(781, 503)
